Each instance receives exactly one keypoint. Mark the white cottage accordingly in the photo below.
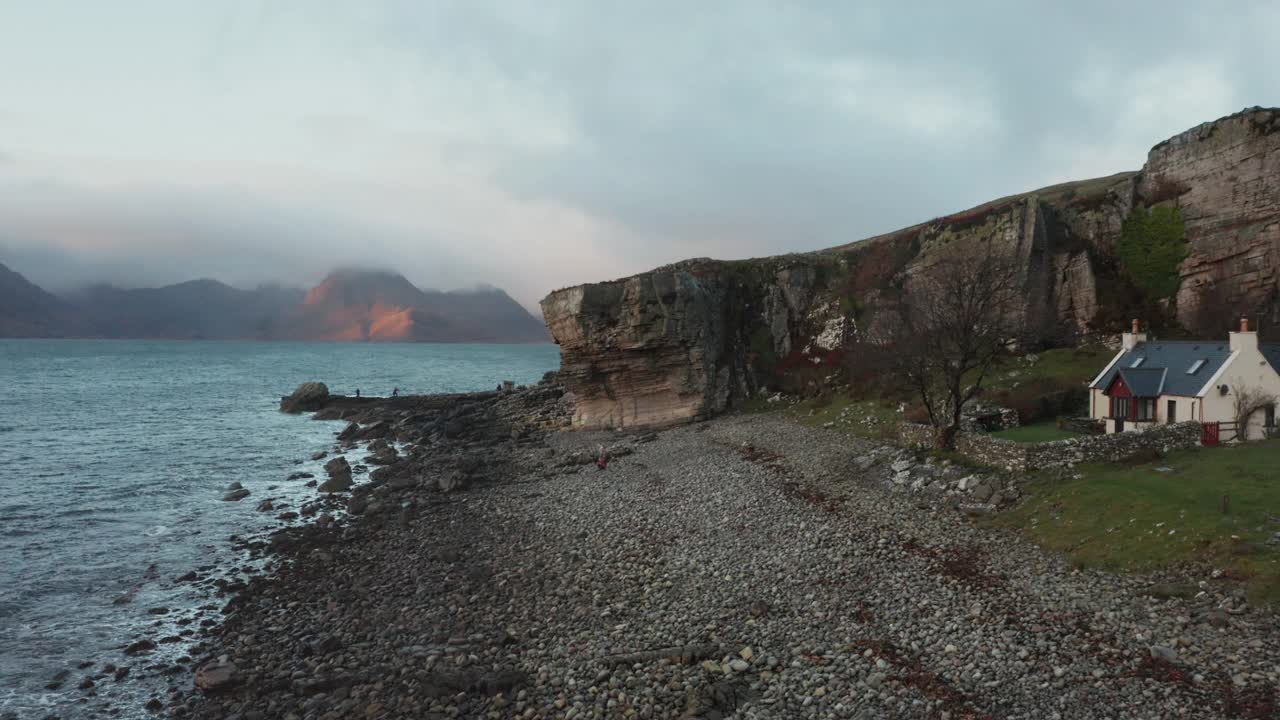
(1152, 382)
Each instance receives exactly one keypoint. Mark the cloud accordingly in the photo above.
(537, 146)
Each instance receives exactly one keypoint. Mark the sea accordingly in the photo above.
(114, 458)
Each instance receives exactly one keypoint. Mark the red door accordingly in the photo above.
(1209, 434)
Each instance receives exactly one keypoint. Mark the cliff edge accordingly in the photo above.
(684, 341)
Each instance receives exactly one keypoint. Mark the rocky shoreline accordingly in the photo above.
(744, 567)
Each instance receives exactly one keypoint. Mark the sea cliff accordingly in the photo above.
(686, 341)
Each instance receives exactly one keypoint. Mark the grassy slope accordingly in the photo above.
(1074, 366)
(872, 419)
(1139, 518)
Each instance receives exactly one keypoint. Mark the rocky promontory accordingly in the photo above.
(687, 340)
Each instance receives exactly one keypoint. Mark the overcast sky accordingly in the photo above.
(534, 145)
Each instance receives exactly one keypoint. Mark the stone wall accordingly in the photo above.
(996, 452)
(1083, 425)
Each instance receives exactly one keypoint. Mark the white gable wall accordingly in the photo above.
(1246, 370)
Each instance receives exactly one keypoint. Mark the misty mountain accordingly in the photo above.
(350, 305)
(199, 309)
(28, 311)
(384, 306)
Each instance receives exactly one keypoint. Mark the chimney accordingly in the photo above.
(1130, 340)
(1245, 340)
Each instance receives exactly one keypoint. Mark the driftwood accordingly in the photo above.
(683, 654)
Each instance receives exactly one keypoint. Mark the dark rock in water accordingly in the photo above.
(309, 397)
(339, 476)
(121, 673)
(320, 455)
(215, 676)
(86, 683)
(236, 495)
(349, 432)
(265, 506)
(378, 430)
(140, 647)
(158, 611)
(189, 577)
(329, 413)
(123, 599)
(58, 679)
(153, 705)
(300, 476)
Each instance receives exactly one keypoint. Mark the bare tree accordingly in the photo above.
(955, 318)
(1249, 401)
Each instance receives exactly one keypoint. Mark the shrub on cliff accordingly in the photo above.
(1152, 245)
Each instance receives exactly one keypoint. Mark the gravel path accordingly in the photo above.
(739, 568)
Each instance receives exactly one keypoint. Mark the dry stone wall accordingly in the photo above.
(1009, 455)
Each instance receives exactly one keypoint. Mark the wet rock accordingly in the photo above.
(236, 495)
(339, 471)
(308, 397)
(139, 648)
(58, 680)
(215, 676)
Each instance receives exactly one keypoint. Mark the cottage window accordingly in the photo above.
(1121, 409)
(1195, 366)
(1146, 408)
(1171, 415)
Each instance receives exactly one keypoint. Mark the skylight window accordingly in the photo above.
(1136, 362)
(1195, 366)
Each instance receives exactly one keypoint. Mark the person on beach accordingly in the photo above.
(395, 392)
(357, 392)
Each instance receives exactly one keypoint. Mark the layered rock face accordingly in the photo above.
(685, 341)
(1225, 177)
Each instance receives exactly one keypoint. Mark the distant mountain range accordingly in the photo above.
(348, 305)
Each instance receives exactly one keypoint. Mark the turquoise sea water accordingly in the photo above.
(113, 460)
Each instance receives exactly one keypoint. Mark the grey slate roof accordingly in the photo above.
(1271, 351)
(1145, 382)
(1176, 356)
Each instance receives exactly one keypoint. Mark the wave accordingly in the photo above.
(8, 428)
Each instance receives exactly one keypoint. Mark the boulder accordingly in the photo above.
(215, 676)
(340, 483)
(339, 476)
(309, 397)
(236, 495)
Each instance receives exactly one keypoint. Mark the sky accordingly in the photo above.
(536, 145)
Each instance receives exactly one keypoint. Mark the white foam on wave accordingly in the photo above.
(156, 531)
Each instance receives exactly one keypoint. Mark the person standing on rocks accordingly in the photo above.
(395, 392)
(602, 461)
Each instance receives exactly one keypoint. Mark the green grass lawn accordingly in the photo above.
(1165, 513)
(1039, 432)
